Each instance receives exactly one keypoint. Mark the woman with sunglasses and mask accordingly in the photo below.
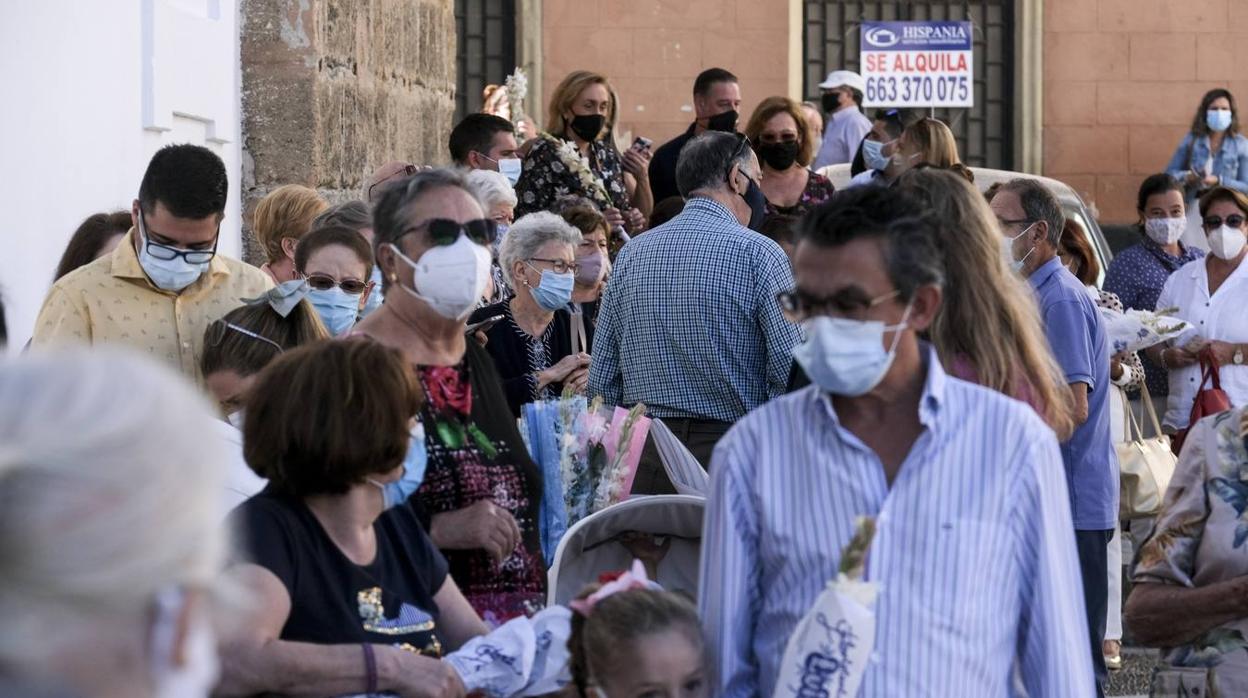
(532, 343)
(337, 264)
(1214, 153)
(481, 491)
(777, 128)
(1210, 295)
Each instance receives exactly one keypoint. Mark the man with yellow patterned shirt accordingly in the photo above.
(165, 283)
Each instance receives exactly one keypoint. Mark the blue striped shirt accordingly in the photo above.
(974, 551)
(690, 324)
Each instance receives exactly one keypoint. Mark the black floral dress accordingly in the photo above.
(554, 169)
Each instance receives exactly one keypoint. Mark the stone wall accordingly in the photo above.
(1122, 81)
(333, 88)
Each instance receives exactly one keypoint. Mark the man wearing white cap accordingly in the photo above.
(847, 126)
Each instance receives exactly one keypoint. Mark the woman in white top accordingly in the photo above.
(1211, 295)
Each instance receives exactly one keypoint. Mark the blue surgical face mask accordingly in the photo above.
(511, 169)
(1218, 119)
(555, 290)
(168, 274)
(757, 201)
(337, 308)
(374, 297)
(873, 155)
(847, 357)
(395, 493)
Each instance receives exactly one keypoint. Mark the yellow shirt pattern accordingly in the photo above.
(111, 300)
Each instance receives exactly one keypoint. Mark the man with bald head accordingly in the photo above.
(384, 176)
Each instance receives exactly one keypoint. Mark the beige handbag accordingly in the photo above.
(1145, 465)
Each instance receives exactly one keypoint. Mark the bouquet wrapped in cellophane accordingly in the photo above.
(1140, 329)
(588, 454)
(827, 653)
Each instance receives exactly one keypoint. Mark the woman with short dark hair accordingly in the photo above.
(351, 595)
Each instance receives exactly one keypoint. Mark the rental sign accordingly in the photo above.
(917, 64)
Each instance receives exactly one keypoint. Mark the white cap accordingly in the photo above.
(844, 78)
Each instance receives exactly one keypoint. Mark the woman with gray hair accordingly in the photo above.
(481, 493)
(499, 199)
(110, 541)
(531, 344)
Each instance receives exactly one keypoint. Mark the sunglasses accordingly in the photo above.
(1234, 220)
(407, 171)
(219, 329)
(321, 282)
(443, 232)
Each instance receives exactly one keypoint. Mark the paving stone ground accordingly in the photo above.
(1137, 671)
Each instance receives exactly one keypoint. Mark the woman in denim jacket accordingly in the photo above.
(1214, 153)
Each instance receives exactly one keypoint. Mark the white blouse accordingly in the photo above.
(1223, 317)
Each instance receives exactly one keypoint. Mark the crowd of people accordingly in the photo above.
(307, 477)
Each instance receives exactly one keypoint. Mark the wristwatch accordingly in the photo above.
(1238, 358)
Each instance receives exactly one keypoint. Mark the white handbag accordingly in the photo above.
(1145, 465)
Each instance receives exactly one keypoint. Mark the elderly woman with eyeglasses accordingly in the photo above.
(481, 494)
(531, 342)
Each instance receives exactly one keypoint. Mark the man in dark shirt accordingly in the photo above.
(716, 99)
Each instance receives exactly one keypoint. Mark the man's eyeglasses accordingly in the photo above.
(407, 171)
(799, 305)
(743, 144)
(1234, 220)
(166, 252)
(218, 330)
(443, 232)
(321, 282)
(558, 266)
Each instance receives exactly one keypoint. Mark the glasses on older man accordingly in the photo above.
(850, 303)
(407, 171)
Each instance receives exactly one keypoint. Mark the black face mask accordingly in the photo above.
(779, 156)
(588, 126)
(831, 101)
(757, 202)
(726, 122)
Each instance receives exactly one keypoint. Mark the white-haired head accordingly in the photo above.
(111, 486)
(527, 235)
(491, 188)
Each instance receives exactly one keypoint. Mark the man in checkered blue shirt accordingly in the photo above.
(690, 325)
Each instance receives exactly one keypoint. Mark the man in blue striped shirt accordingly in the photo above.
(689, 324)
(974, 555)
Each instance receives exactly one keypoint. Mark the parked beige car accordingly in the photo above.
(985, 177)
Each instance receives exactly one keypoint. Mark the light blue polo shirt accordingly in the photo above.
(1077, 336)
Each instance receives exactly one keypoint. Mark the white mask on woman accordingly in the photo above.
(1227, 242)
(1165, 231)
(450, 278)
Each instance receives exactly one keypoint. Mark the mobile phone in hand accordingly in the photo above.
(641, 144)
(483, 326)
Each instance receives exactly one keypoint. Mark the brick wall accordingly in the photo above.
(334, 88)
(652, 50)
(1122, 80)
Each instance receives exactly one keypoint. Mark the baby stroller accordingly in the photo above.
(600, 542)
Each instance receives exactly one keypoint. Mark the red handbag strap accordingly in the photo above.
(1209, 369)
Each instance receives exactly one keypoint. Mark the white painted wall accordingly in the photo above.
(90, 89)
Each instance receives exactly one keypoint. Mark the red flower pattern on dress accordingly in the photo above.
(446, 391)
